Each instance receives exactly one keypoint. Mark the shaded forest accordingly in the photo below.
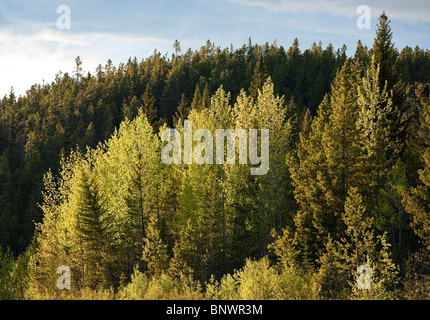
(82, 183)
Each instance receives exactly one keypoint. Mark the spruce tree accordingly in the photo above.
(362, 53)
(258, 80)
(330, 278)
(154, 253)
(149, 108)
(416, 201)
(197, 99)
(400, 114)
(94, 228)
(385, 53)
(359, 236)
(206, 99)
(330, 161)
(182, 113)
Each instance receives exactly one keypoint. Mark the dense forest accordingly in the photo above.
(82, 183)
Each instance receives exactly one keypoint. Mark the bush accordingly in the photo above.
(163, 287)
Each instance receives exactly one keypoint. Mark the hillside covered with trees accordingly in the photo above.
(82, 183)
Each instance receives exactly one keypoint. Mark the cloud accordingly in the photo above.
(408, 11)
(32, 48)
(30, 58)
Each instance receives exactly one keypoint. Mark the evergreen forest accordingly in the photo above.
(82, 183)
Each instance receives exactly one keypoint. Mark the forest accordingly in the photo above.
(82, 183)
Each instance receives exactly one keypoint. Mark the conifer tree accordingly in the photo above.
(154, 250)
(149, 108)
(359, 242)
(78, 69)
(130, 110)
(136, 200)
(206, 99)
(362, 53)
(330, 278)
(94, 228)
(360, 247)
(417, 201)
(182, 113)
(258, 80)
(385, 53)
(400, 114)
(330, 161)
(177, 47)
(342, 139)
(197, 99)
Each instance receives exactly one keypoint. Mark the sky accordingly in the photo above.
(35, 46)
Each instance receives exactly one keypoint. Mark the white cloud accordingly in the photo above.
(27, 59)
(410, 11)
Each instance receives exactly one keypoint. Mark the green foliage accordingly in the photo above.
(162, 287)
(14, 276)
(348, 182)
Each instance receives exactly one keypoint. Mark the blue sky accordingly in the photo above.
(33, 49)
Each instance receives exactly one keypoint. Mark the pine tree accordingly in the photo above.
(136, 201)
(154, 250)
(78, 69)
(342, 139)
(358, 230)
(362, 53)
(197, 99)
(360, 247)
(177, 47)
(385, 53)
(416, 201)
(330, 278)
(400, 114)
(424, 118)
(376, 110)
(330, 161)
(259, 78)
(206, 99)
(149, 108)
(94, 230)
(182, 113)
(130, 110)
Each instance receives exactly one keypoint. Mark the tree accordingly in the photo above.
(416, 200)
(385, 53)
(94, 228)
(149, 108)
(330, 161)
(261, 202)
(197, 99)
(154, 250)
(78, 69)
(130, 110)
(358, 230)
(362, 53)
(206, 99)
(400, 113)
(360, 247)
(182, 113)
(258, 80)
(330, 279)
(177, 47)
(137, 213)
